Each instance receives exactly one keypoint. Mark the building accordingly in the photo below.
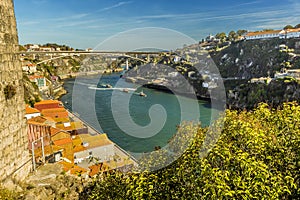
(40, 81)
(290, 33)
(73, 128)
(33, 47)
(262, 34)
(31, 112)
(63, 139)
(58, 114)
(87, 146)
(29, 67)
(37, 131)
(47, 104)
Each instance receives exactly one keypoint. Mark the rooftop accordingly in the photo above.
(263, 32)
(72, 126)
(30, 110)
(92, 141)
(50, 101)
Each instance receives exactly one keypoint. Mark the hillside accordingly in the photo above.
(254, 58)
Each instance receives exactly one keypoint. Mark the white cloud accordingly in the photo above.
(115, 6)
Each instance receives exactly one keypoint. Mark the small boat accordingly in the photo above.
(125, 90)
(142, 94)
(106, 86)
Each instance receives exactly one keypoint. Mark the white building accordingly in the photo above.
(98, 146)
(262, 35)
(290, 33)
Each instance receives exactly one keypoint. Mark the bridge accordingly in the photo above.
(60, 54)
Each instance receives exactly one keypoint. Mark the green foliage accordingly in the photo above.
(241, 32)
(297, 26)
(232, 35)
(222, 36)
(9, 91)
(288, 27)
(256, 157)
(6, 194)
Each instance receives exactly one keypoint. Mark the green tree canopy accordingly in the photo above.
(288, 27)
(297, 26)
(222, 36)
(256, 157)
(232, 35)
(241, 32)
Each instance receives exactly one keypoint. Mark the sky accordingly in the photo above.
(88, 23)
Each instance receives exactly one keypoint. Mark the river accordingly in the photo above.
(95, 107)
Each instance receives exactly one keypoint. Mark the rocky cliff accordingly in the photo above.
(15, 161)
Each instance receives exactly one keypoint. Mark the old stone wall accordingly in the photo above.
(15, 159)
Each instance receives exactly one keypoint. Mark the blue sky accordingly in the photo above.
(86, 23)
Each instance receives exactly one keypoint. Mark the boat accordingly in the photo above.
(142, 94)
(125, 90)
(106, 86)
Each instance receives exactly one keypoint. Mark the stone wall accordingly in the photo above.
(15, 159)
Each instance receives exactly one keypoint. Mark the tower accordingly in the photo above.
(15, 160)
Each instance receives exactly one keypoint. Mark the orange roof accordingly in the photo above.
(73, 126)
(54, 110)
(54, 131)
(30, 110)
(62, 141)
(48, 150)
(62, 119)
(74, 169)
(92, 141)
(38, 121)
(263, 33)
(50, 101)
(35, 77)
(95, 169)
(56, 113)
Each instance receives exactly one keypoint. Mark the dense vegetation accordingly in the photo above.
(256, 157)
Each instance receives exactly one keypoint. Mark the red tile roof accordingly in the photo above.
(263, 33)
(62, 141)
(50, 101)
(30, 110)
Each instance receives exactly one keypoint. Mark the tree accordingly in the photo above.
(297, 26)
(256, 157)
(221, 36)
(241, 32)
(288, 27)
(232, 35)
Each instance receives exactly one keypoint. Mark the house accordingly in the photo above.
(290, 33)
(47, 49)
(73, 128)
(95, 169)
(42, 120)
(40, 81)
(47, 104)
(52, 154)
(33, 47)
(98, 146)
(262, 34)
(31, 112)
(36, 133)
(28, 67)
(63, 139)
(56, 113)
